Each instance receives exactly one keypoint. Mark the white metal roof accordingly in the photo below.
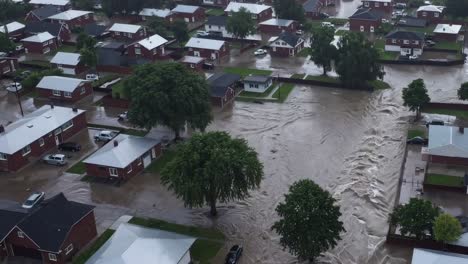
(128, 28)
(50, 2)
(448, 141)
(39, 38)
(185, 9)
(155, 12)
(60, 83)
(202, 43)
(447, 29)
(11, 27)
(66, 58)
(426, 256)
(277, 22)
(252, 8)
(131, 244)
(129, 148)
(69, 15)
(191, 59)
(431, 8)
(152, 42)
(31, 127)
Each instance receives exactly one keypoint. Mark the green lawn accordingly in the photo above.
(304, 52)
(215, 12)
(450, 45)
(258, 95)
(337, 21)
(128, 131)
(203, 250)
(379, 85)
(388, 55)
(380, 44)
(88, 253)
(67, 48)
(159, 164)
(323, 78)
(297, 76)
(416, 133)
(458, 113)
(245, 71)
(427, 30)
(43, 64)
(78, 168)
(444, 180)
(117, 90)
(283, 92)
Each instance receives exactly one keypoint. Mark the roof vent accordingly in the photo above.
(461, 130)
(52, 106)
(29, 125)
(116, 143)
(2, 129)
(74, 109)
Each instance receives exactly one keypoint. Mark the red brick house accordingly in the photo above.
(259, 12)
(8, 65)
(123, 157)
(405, 42)
(217, 3)
(41, 43)
(73, 18)
(447, 32)
(63, 89)
(207, 48)
(69, 63)
(193, 63)
(150, 48)
(59, 31)
(41, 13)
(15, 30)
(431, 13)
(127, 32)
(52, 231)
(32, 136)
(223, 88)
(61, 5)
(275, 26)
(165, 14)
(385, 6)
(447, 145)
(286, 44)
(365, 20)
(190, 14)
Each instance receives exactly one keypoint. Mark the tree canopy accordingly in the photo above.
(240, 24)
(35, 77)
(83, 4)
(457, 8)
(158, 26)
(180, 30)
(10, 10)
(463, 91)
(447, 228)
(213, 167)
(289, 9)
(415, 96)
(85, 41)
(323, 52)
(309, 220)
(110, 7)
(6, 45)
(168, 94)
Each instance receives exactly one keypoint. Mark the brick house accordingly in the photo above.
(207, 48)
(165, 14)
(405, 42)
(276, 26)
(223, 88)
(312, 8)
(36, 133)
(150, 48)
(385, 6)
(41, 43)
(286, 44)
(259, 12)
(447, 32)
(69, 63)
(123, 157)
(217, 3)
(447, 145)
(52, 231)
(61, 5)
(73, 18)
(193, 63)
(365, 20)
(217, 24)
(15, 30)
(190, 14)
(8, 65)
(59, 31)
(41, 13)
(431, 13)
(127, 31)
(63, 89)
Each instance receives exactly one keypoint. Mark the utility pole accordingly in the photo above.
(17, 96)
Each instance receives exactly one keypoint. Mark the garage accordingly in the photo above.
(26, 252)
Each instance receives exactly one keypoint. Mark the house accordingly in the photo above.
(15, 29)
(73, 18)
(150, 48)
(223, 88)
(447, 145)
(68, 62)
(385, 6)
(111, 58)
(414, 22)
(286, 44)
(52, 231)
(365, 20)
(131, 244)
(312, 9)
(63, 88)
(190, 14)
(41, 13)
(257, 83)
(194, 63)
(8, 65)
(259, 12)
(217, 24)
(276, 26)
(425, 256)
(165, 14)
(217, 3)
(123, 157)
(447, 32)
(95, 30)
(405, 42)
(432, 13)
(207, 48)
(127, 31)
(61, 5)
(36, 133)
(59, 31)
(41, 43)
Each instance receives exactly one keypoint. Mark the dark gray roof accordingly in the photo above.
(217, 20)
(257, 79)
(401, 34)
(41, 26)
(408, 21)
(220, 82)
(290, 38)
(311, 6)
(94, 29)
(113, 57)
(46, 11)
(8, 220)
(368, 14)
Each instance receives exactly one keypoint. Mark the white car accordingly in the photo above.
(55, 159)
(202, 33)
(123, 116)
(327, 24)
(92, 77)
(260, 52)
(105, 135)
(33, 199)
(14, 87)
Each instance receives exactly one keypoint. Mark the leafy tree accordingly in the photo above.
(213, 167)
(384, 28)
(415, 96)
(158, 26)
(309, 220)
(10, 10)
(457, 8)
(110, 7)
(180, 30)
(289, 9)
(357, 60)
(415, 3)
(85, 41)
(323, 52)
(89, 57)
(35, 77)
(447, 228)
(415, 218)
(84, 4)
(168, 94)
(240, 24)
(6, 45)
(463, 91)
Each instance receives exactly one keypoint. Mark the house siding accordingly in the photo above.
(194, 66)
(355, 25)
(405, 49)
(140, 34)
(272, 30)
(40, 48)
(207, 53)
(158, 52)
(448, 160)
(430, 16)
(262, 16)
(197, 16)
(76, 69)
(286, 51)
(445, 37)
(76, 95)
(386, 7)
(226, 99)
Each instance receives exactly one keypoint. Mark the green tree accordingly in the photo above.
(415, 96)
(89, 57)
(457, 8)
(110, 7)
(415, 3)
(10, 10)
(289, 9)
(240, 24)
(35, 77)
(447, 228)
(213, 167)
(309, 220)
(168, 94)
(84, 4)
(158, 26)
(322, 51)
(6, 45)
(180, 30)
(463, 91)
(85, 41)
(357, 61)
(415, 218)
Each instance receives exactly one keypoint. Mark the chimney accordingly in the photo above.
(52, 106)
(116, 143)
(74, 109)
(2, 129)
(461, 130)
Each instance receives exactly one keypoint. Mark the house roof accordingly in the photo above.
(277, 22)
(39, 37)
(431, 8)
(42, 26)
(257, 79)
(448, 141)
(192, 59)
(217, 20)
(448, 29)
(45, 11)
(69, 15)
(220, 82)
(128, 28)
(427, 256)
(252, 8)
(59, 83)
(185, 9)
(408, 21)
(402, 34)
(128, 149)
(12, 27)
(152, 42)
(291, 39)
(132, 244)
(8, 220)
(50, 2)
(37, 124)
(367, 14)
(202, 43)
(311, 5)
(94, 29)
(155, 12)
(66, 58)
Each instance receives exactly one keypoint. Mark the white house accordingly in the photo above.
(257, 83)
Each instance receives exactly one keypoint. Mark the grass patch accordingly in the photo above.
(427, 30)
(457, 113)
(341, 32)
(245, 72)
(444, 180)
(448, 45)
(215, 12)
(255, 99)
(83, 257)
(304, 52)
(67, 48)
(379, 85)
(379, 44)
(337, 21)
(297, 76)
(128, 131)
(203, 250)
(388, 55)
(258, 95)
(78, 168)
(36, 63)
(159, 164)
(416, 133)
(323, 78)
(118, 90)
(283, 92)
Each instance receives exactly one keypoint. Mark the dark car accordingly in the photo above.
(208, 66)
(70, 146)
(234, 254)
(417, 141)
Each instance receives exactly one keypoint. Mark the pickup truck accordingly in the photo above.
(105, 135)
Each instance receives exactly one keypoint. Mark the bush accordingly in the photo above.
(34, 78)
(463, 91)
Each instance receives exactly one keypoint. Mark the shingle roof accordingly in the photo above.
(257, 78)
(447, 29)
(185, 9)
(155, 12)
(94, 30)
(50, 2)
(291, 39)
(41, 26)
(217, 20)
(220, 82)
(8, 220)
(59, 83)
(45, 12)
(367, 14)
(203, 43)
(66, 58)
(277, 22)
(402, 34)
(128, 28)
(39, 37)
(431, 8)
(412, 22)
(12, 27)
(448, 141)
(311, 6)
(252, 8)
(152, 42)
(69, 15)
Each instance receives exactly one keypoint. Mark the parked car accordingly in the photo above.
(417, 141)
(24, 74)
(400, 5)
(430, 43)
(201, 33)
(208, 66)
(327, 24)
(299, 32)
(123, 116)
(55, 159)
(69, 146)
(105, 135)
(413, 57)
(323, 15)
(234, 254)
(260, 52)
(33, 199)
(19, 48)
(92, 77)
(14, 87)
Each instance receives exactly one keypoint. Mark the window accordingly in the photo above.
(6, 69)
(366, 4)
(26, 150)
(192, 65)
(56, 93)
(3, 156)
(51, 41)
(377, 4)
(254, 16)
(82, 90)
(113, 172)
(129, 35)
(86, 16)
(155, 51)
(251, 85)
(385, 4)
(372, 29)
(405, 41)
(44, 44)
(52, 257)
(436, 14)
(361, 28)
(68, 249)
(67, 125)
(41, 142)
(129, 168)
(67, 94)
(20, 234)
(393, 41)
(137, 51)
(424, 13)
(46, 50)
(209, 26)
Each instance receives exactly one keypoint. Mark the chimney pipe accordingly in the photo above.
(52, 106)
(2, 129)
(116, 143)
(461, 130)
(74, 109)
